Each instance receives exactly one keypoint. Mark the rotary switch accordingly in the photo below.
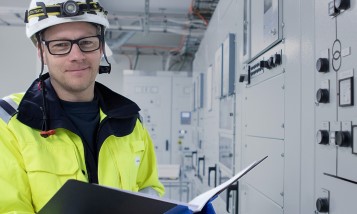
(322, 95)
(274, 60)
(342, 4)
(322, 137)
(343, 138)
(264, 64)
(277, 59)
(322, 205)
(322, 65)
(271, 62)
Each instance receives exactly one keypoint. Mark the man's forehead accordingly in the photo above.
(71, 29)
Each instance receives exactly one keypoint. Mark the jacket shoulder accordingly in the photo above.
(9, 105)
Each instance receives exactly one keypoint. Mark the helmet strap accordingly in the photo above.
(38, 38)
(45, 132)
(103, 68)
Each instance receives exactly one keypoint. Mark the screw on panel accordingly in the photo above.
(282, 194)
(283, 87)
(283, 70)
(283, 125)
(282, 155)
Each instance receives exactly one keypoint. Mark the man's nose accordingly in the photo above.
(76, 52)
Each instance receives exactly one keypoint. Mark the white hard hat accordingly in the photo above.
(46, 13)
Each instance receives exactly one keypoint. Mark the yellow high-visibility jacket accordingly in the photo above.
(33, 168)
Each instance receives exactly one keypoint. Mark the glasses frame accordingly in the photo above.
(75, 41)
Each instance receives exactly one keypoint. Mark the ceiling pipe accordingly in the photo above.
(122, 39)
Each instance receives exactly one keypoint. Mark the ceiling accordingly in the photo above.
(141, 26)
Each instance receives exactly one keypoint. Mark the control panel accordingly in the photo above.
(336, 179)
(267, 65)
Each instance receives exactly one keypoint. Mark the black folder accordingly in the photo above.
(77, 197)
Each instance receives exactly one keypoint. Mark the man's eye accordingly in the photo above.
(86, 42)
(61, 45)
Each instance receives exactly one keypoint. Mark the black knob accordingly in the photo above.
(322, 96)
(264, 64)
(322, 137)
(277, 59)
(322, 65)
(242, 78)
(271, 62)
(343, 138)
(342, 4)
(322, 205)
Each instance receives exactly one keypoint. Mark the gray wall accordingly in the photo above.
(18, 59)
(144, 63)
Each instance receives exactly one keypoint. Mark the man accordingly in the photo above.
(66, 125)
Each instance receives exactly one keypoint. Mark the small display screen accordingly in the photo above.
(346, 92)
(185, 118)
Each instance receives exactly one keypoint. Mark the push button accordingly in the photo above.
(322, 137)
(322, 205)
(322, 96)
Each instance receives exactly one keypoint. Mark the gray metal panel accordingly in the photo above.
(346, 114)
(252, 201)
(226, 115)
(334, 42)
(269, 177)
(265, 108)
(181, 93)
(228, 75)
(154, 96)
(342, 195)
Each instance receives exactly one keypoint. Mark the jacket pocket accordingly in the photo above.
(48, 167)
(53, 159)
(138, 146)
(124, 158)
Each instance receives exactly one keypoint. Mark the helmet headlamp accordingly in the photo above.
(70, 8)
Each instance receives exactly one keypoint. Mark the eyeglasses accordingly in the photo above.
(62, 47)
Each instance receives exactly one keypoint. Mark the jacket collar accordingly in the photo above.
(29, 112)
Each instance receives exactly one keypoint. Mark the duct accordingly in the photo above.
(169, 29)
(193, 23)
(124, 37)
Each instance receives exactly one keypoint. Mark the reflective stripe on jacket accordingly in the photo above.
(33, 168)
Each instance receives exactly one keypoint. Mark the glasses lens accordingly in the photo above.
(89, 44)
(62, 47)
(59, 47)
